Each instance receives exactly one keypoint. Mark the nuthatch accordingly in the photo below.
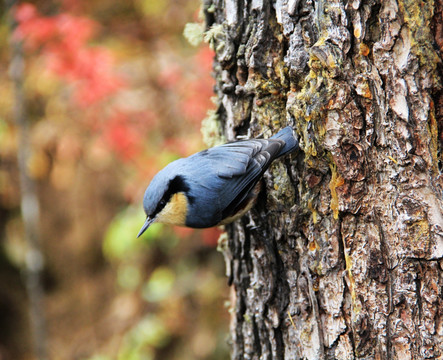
(214, 186)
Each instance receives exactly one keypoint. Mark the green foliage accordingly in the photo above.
(99, 357)
(165, 288)
(159, 285)
(129, 277)
(140, 341)
(152, 7)
(120, 240)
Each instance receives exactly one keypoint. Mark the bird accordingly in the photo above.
(215, 186)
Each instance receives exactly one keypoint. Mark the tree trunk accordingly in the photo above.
(342, 257)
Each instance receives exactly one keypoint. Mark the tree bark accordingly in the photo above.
(342, 257)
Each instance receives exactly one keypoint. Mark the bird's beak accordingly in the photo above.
(145, 226)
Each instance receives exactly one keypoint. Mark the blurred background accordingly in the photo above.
(112, 93)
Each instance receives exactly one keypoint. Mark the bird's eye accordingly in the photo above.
(162, 203)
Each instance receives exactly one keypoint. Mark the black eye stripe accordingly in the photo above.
(179, 184)
(176, 185)
(161, 205)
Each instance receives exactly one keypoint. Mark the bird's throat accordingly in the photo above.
(174, 213)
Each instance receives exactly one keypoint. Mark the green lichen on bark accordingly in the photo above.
(417, 15)
(211, 129)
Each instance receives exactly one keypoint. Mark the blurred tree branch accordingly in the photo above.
(29, 201)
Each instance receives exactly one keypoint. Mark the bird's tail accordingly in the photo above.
(289, 137)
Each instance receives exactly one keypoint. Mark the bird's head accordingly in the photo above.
(165, 200)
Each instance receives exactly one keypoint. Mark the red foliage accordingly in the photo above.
(192, 83)
(122, 137)
(32, 28)
(210, 236)
(183, 232)
(197, 91)
(63, 42)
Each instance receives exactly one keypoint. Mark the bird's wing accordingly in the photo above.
(241, 157)
(241, 164)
